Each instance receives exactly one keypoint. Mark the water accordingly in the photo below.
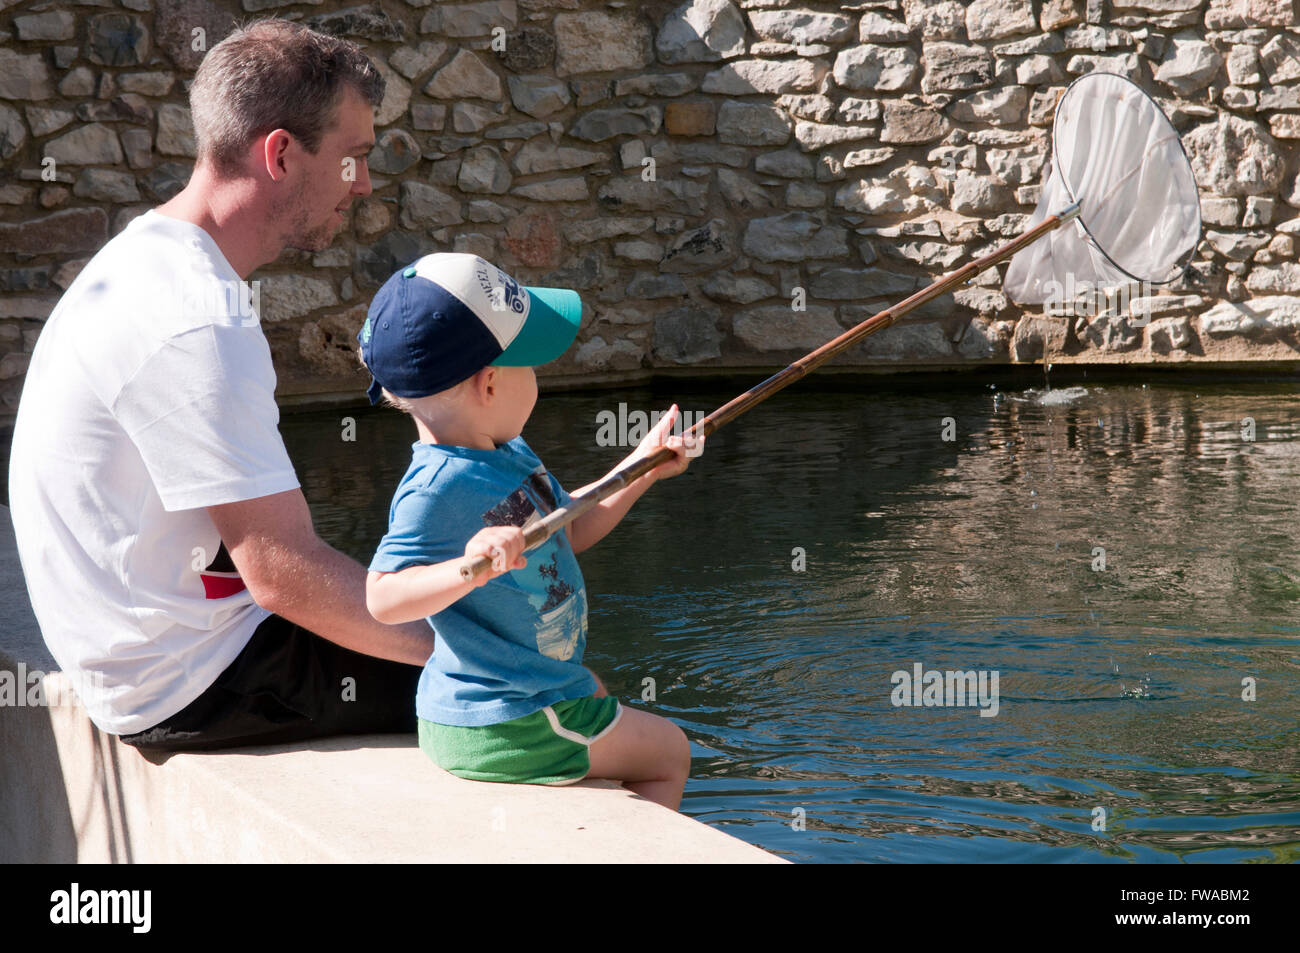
(1120, 687)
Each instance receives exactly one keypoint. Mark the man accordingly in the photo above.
(168, 550)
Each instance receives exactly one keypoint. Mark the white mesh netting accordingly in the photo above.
(1118, 156)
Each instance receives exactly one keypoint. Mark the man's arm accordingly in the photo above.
(291, 571)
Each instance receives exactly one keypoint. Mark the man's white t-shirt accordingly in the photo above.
(150, 395)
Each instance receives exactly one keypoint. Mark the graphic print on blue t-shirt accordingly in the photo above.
(562, 622)
(515, 644)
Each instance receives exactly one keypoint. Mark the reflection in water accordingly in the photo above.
(1123, 556)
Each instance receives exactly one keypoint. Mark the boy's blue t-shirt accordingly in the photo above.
(514, 645)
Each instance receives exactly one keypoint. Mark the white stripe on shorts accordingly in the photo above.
(573, 736)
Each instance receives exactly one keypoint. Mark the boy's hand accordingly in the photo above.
(660, 437)
(504, 545)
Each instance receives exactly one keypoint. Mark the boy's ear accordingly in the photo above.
(484, 384)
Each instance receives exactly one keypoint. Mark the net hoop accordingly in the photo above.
(1082, 220)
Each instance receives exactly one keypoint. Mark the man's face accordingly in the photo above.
(329, 180)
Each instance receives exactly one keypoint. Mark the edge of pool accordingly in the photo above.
(72, 793)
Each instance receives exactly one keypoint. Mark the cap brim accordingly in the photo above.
(554, 315)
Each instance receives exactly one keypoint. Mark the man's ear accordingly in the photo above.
(275, 148)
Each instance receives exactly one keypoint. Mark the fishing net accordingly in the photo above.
(1117, 156)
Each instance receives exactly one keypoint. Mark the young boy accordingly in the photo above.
(452, 340)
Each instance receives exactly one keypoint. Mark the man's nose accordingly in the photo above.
(362, 184)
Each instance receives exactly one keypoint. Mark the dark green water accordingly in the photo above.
(1120, 688)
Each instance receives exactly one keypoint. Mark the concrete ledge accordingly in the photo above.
(71, 793)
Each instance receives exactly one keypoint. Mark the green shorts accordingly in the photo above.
(546, 747)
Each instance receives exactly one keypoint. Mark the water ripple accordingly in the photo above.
(1124, 558)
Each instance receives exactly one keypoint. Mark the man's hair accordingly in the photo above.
(274, 74)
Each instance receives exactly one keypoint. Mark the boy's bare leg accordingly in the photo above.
(649, 754)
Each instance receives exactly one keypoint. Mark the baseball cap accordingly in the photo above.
(447, 316)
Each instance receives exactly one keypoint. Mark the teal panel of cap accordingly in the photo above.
(554, 315)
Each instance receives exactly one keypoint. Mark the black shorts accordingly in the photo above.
(288, 685)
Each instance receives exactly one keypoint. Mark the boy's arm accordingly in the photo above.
(419, 591)
(592, 526)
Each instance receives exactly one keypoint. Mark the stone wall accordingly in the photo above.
(727, 182)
